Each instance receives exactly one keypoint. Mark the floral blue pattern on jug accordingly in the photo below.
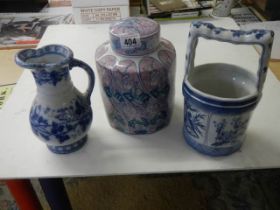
(67, 122)
(45, 77)
(60, 115)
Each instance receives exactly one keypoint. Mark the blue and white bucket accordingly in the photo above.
(219, 97)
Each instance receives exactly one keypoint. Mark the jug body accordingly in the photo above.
(60, 114)
(219, 98)
(137, 81)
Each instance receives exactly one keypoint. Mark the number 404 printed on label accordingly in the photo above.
(130, 41)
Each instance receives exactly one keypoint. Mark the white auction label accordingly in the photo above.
(130, 41)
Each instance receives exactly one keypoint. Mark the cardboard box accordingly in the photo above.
(98, 11)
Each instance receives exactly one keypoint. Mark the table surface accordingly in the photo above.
(110, 152)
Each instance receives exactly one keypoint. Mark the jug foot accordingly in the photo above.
(66, 149)
(212, 151)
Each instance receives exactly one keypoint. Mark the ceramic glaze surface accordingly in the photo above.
(236, 81)
(60, 115)
(134, 36)
(220, 98)
(137, 91)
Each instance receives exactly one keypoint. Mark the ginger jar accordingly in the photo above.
(136, 69)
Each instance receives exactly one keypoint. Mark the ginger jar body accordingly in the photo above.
(136, 69)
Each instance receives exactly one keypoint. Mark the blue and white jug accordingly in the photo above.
(220, 97)
(60, 115)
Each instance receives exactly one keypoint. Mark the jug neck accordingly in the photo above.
(53, 81)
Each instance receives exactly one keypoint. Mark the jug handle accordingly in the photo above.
(78, 63)
(264, 38)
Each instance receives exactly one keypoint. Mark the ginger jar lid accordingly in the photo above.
(134, 36)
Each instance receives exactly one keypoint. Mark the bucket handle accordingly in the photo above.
(264, 38)
(78, 63)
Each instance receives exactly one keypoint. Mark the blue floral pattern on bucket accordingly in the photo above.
(216, 124)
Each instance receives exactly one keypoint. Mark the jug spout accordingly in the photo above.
(48, 57)
(49, 64)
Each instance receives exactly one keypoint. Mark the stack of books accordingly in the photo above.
(177, 9)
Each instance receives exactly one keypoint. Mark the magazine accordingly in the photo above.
(21, 29)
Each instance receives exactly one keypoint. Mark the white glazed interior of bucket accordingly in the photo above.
(223, 81)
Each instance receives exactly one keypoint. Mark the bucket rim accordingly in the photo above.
(216, 102)
(204, 95)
